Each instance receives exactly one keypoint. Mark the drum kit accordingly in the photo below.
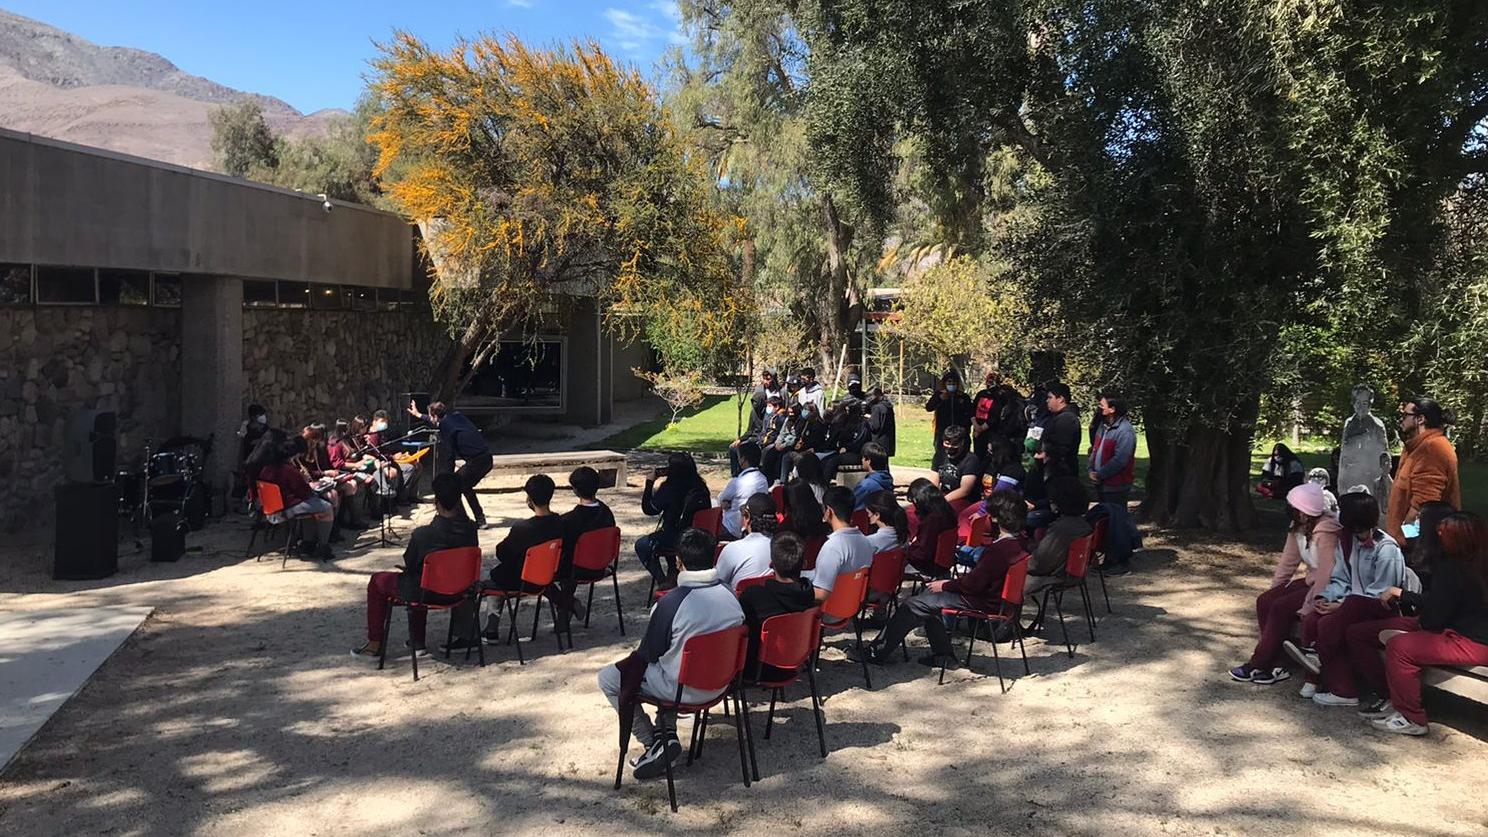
(167, 479)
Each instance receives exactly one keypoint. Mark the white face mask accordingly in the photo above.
(769, 411)
(951, 387)
(262, 420)
(379, 426)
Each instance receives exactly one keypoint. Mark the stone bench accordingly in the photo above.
(610, 465)
(1470, 682)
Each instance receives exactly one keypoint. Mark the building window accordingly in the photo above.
(66, 285)
(166, 290)
(123, 287)
(15, 284)
(363, 299)
(258, 293)
(325, 297)
(294, 295)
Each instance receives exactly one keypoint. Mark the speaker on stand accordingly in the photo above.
(87, 505)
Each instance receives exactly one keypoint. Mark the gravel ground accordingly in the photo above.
(236, 709)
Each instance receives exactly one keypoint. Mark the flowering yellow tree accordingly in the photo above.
(961, 307)
(543, 174)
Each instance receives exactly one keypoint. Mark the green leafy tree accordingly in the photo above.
(242, 141)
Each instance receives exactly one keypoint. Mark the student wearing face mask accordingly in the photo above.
(764, 407)
(951, 405)
(787, 432)
(960, 475)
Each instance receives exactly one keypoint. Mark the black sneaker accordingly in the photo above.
(458, 644)
(665, 750)
(1376, 709)
(873, 654)
(935, 660)
(1117, 569)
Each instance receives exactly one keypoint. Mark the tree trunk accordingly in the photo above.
(1199, 474)
(833, 303)
(448, 378)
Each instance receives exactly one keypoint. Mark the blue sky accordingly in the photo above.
(314, 53)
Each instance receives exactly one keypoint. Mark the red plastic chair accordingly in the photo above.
(981, 531)
(860, 520)
(885, 579)
(447, 573)
(787, 643)
(945, 558)
(1007, 612)
(1098, 555)
(746, 583)
(270, 503)
(777, 494)
(538, 570)
(710, 521)
(844, 606)
(1076, 565)
(597, 556)
(710, 663)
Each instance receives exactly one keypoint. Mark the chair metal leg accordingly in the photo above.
(858, 629)
(671, 785)
(627, 718)
(816, 712)
(698, 723)
(770, 716)
(1018, 634)
(1107, 595)
(615, 578)
(1089, 608)
(475, 631)
(412, 651)
(739, 721)
(536, 615)
(589, 607)
(1063, 629)
(997, 661)
(387, 628)
(511, 634)
(748, 732)
(449, 638)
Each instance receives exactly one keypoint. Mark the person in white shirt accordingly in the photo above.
(885, 513)
(846, 549)
(811, 392)
(749, 557)
(739, 489)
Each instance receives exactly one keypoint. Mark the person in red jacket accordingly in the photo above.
(980, 589)
(299, 500)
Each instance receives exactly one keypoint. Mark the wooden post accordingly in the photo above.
(901, 372)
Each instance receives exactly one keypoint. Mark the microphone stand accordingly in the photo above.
(385, 461)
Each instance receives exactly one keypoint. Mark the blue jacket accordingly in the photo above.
(1375, 568)
(875, 482)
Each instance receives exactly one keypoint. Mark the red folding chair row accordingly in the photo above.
(711, 662)
(1006, 613)
(447, 573)
(710, 521)
(539, 569)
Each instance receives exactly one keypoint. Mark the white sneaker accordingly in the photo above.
(1307, 658)
(1330, 699)
(1308, 690)
(1398, 724)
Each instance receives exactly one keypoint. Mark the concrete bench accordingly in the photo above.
(610, 465)
(1470, 682)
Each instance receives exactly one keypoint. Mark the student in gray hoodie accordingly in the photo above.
(1112, 470)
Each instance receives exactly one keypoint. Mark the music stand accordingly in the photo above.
(384, 460)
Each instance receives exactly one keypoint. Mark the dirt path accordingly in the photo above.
(236, 709)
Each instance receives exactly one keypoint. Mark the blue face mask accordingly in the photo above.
(951, 387)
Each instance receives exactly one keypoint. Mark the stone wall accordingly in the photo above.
(55, 361)
(306, 365)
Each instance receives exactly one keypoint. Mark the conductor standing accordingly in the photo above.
(459, 439)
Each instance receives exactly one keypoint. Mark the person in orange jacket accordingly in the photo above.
(1428, 465)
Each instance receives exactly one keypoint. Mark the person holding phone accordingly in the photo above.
(673, 493)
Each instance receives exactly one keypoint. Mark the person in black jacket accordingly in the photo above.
(1061, 439)
(588, 515)
(459, 439)
(674, 494)
(881, 420)
(449, 529)
(951, 405)
(760, 416)
(787, 592)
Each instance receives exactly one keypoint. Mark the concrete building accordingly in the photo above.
(176, 297)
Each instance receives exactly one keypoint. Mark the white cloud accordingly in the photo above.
(638, 29)
(522, 4)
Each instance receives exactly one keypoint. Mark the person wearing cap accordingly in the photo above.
(951, 406)
(1312, 541)
(749, 557)
(1062, 431)
(1320, 478)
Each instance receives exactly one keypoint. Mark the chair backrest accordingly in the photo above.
(847, 595)
(541, 563)
(1098, 535)
(1012, 583)
(710, 662)
(777, 496)
(1078, 559)
(860, 520)
(981, 531)
(596, 549)
(270, 500)
(787, 640)
(945, 548)
(813, 549)
(709, 520)
(886, 573)
(450, 572)
(746, 583)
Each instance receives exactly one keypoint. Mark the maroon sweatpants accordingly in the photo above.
(1276, 611)
(1364, 649)
(1406, 655)
(1332, 640)
(379, 587)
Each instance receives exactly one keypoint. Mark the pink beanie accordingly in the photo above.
(1307, 498)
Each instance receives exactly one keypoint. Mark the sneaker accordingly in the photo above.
(457, 644)
(1398, 724)
(1330, 699)
(1243, 674)
(416, 650)
(665, 750)
(1306, 657)
(1308, 690)
(1269, 677)
(366, 652)
(1376, 709)
(935, 661)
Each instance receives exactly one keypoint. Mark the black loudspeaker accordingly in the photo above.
(91, 446)
(87, 543)
(167, 536)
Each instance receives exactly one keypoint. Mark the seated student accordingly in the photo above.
(885, 513)
(319, 464)
(785, 593)
(298, 498)
(980, 589)
(809, 471)
(1312, 540)
(787, 433)
(761, 415)
(1449, 628)
(812, 438)
(960, 474)
(449, 529)
(698, 605)
(803, 514)
(674, 494)
(845, 439)
(846, 549)
(749, 557)
(748, 483)
(932, 516)
(588, 515)
(398, 477)
(1069, 502)
(878, 478)
(1282, 472)
(511, 555)
(1367, 563)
